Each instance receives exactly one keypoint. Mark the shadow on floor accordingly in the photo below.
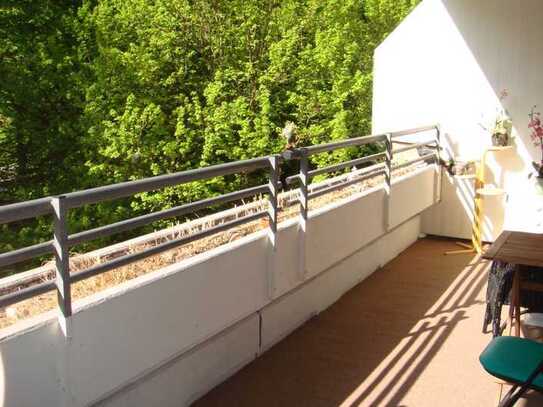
(373, 345)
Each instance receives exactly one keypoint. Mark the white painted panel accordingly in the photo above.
(349, 272)
(287, 274)
(400, 239)
(188, 377)
(287, 313)
(32, 367)
(337, 233)
(144, 326)
(412, 195)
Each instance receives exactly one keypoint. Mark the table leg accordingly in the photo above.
(511, 316)
(515, 303)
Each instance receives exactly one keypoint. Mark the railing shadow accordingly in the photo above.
(373, 344)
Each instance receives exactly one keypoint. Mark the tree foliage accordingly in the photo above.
(103, 91)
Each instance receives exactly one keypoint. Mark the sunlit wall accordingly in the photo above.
(448, 62)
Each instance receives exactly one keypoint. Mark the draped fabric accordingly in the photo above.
(500, 281)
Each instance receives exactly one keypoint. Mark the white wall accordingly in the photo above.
(448, 63)
(169, 336)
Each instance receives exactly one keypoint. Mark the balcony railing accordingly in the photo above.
(59, 206)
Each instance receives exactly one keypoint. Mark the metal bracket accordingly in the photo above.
(304, 210)
(388, 180)
(62, 262)
(272, 217)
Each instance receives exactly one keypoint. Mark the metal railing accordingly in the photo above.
(59, 206)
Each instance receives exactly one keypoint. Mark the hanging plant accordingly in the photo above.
(501, 134)
(501, 126)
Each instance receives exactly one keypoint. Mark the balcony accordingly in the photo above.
(277, 303)
(335, 293)
(201, 318)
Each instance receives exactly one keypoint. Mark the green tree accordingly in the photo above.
(182, 84)
(40, 99)
(102, 91)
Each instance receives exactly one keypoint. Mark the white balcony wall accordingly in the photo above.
(168, 337)
(448, 63)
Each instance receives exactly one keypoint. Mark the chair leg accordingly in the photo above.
(515, 394)
(511, 397)
(500, 393)
(510, 319)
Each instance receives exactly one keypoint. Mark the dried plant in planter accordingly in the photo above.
(460, 167)
(469, 168)
(536, 134)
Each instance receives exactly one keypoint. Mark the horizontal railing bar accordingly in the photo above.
(336, 167)
(317, 187)
(413, 131)
(26, 293)
(129, 224)
(333, 188)
(24, 210)
(416, 145)
(38, 207)
(131, 258)
(321, 148)
(365, 170)
(43, 206)
(415, 160)
(346, 164)
(358, 141)
(25, 253)
(124, 189)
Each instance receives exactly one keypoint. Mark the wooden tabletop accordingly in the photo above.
(517, 248)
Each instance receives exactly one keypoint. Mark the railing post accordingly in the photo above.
(388, 180)
(272, 218)
(62, 261)
(304, 210)
(439, 169)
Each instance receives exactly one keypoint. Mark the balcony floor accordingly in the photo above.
(409, 335)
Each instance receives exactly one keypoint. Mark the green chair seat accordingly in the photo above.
(513, 359)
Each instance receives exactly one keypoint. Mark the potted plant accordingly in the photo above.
(501, 127)
(501, 133)
(536, 134)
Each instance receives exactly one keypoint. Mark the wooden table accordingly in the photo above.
(522, 249)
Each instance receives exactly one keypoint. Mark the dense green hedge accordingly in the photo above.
(105, 91)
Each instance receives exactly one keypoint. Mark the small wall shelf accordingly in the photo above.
(468, 176)
(490, 191)
(499, 148)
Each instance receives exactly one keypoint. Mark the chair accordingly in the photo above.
(515, 360)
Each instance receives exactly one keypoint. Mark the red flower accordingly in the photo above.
(536, 133)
